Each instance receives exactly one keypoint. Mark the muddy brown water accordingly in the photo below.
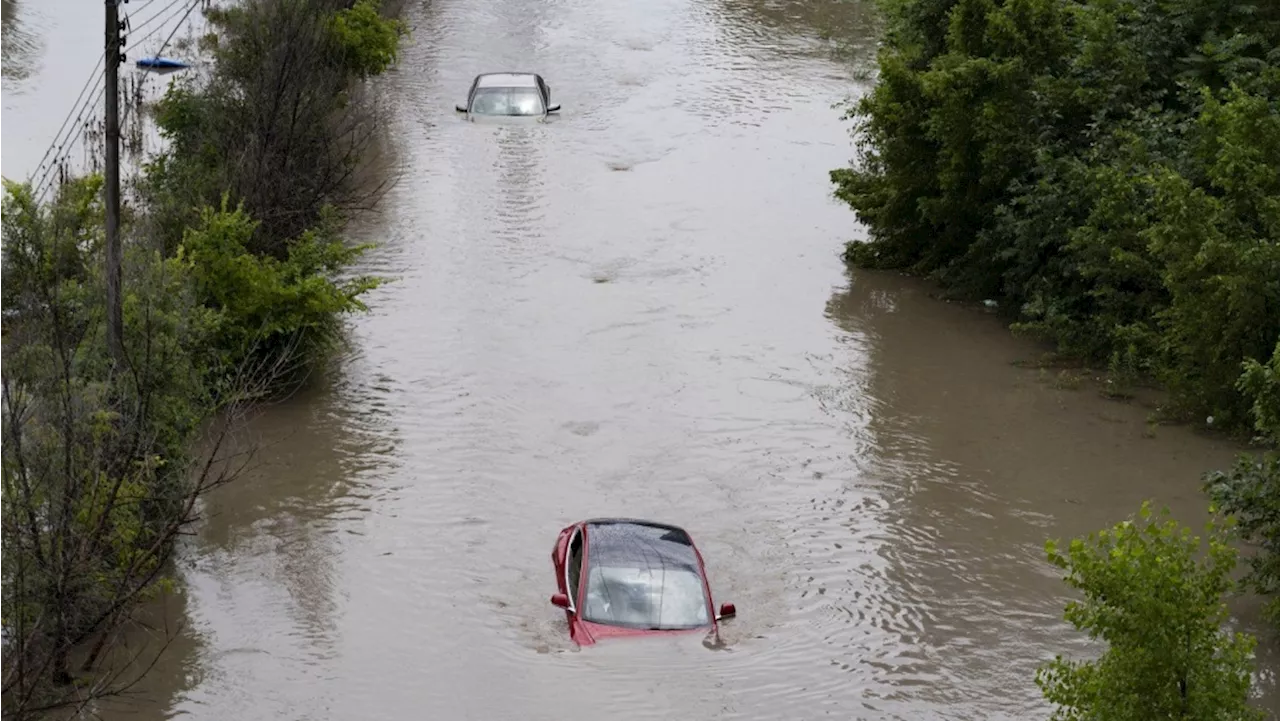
(637, 309)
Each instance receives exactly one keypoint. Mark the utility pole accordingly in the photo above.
(115, 309)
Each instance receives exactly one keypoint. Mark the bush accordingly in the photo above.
(267, 309)
(96, 482)
(233, 275)
(1110, 171)
(1158, 605)
(259, 176)
(1250, 491)
(281, 123)
(368, 42)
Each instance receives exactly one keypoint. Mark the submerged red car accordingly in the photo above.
(630, 577)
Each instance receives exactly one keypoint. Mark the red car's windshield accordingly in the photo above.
(641, 576)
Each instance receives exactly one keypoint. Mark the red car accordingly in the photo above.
(628, 577)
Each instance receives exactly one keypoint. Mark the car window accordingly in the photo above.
(506, 101)
(574, 568)
(654, 598)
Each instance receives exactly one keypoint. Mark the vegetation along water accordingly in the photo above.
(235, 286)
(1109, 174)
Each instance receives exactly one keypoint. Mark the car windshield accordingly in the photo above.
(506, 101)
(643, 577)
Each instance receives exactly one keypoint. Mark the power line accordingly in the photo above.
(173, 32)
(143, 6)
(74, 112)
(64, 145)
(155, 15)
(82, 126)
(93, 75)
(158, 28)
(81, 106)
(51, 176)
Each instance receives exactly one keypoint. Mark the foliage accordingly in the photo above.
(1250, 490)
(281, 122)
(1158, 605)
(277, 132)
(95, 476)
(1262, 382)
(234, 270)
(269, 308)
(1109, 170)
(369, 42)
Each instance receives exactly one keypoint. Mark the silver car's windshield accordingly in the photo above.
(507, 101)
(642, 576)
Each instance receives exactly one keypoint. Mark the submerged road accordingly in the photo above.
(637, 309)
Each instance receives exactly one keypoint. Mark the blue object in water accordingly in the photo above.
(161, 63)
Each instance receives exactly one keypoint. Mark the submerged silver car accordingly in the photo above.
(521, 95)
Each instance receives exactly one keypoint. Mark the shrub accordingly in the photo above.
(281, 123)
(96, 480)
(1110, 171)
(1158, 605)
(269, 309)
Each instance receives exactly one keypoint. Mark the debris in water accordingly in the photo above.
(158, 63)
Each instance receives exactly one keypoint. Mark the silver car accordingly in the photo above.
(521, 95)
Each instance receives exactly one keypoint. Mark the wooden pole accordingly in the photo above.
(115, 309)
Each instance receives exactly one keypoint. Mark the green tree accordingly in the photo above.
(271, 310)
(282, 122)
(1153, 592)
(98, 476)
(261, 172)
(368, 41)
(1109, 170)
(101, 469)
(1250, 490)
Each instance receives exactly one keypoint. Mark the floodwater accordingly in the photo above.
(637, 309)
(53, 81)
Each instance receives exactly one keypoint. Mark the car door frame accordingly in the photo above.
(471, 94)
(573, 594)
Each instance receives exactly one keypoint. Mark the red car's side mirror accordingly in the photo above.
(561, 600)
(727, 610)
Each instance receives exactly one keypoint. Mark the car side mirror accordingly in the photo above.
(553, 108)
(727, 610)
(460, 108)
(561, 600)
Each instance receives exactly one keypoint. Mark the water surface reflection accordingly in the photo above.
(981, 463)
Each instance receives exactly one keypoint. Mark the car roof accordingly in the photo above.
(634, 521)
(627, 541)
(507, 80)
